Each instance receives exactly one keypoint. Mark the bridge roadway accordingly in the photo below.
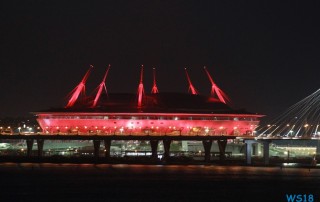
(154, 141)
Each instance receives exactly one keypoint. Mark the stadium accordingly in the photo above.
(155, 113)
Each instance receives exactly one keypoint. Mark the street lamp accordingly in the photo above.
(291, 131)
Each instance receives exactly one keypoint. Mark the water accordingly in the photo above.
(122, 182)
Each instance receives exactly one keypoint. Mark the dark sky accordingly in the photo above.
(263, 54)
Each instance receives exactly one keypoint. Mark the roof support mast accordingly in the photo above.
(191, 87)
(140, 88)
(78, 89)
(101, 87)
(154, 88)
(215, 89)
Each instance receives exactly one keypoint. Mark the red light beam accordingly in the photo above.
(216, 90)
(191, 87)
(140, 88)
(154, 89)
(101, 87)
(78, 89)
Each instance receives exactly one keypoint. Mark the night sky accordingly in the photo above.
(263, 54)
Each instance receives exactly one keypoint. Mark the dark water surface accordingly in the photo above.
(122, 182)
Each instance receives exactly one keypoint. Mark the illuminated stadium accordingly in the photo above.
(152, 114)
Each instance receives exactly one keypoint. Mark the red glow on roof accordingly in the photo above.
(101, 87)
(78, 89)
(191, 87)
(215, 90)
(141, 99)
(140, 88)
(154, 88)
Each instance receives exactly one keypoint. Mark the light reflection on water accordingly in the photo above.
(123, 182)
(209, 170)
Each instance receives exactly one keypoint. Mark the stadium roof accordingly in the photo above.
(152, 103)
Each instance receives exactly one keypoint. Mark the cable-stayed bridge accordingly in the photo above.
(301, 120)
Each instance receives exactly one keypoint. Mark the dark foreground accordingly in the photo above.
(122, 182)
